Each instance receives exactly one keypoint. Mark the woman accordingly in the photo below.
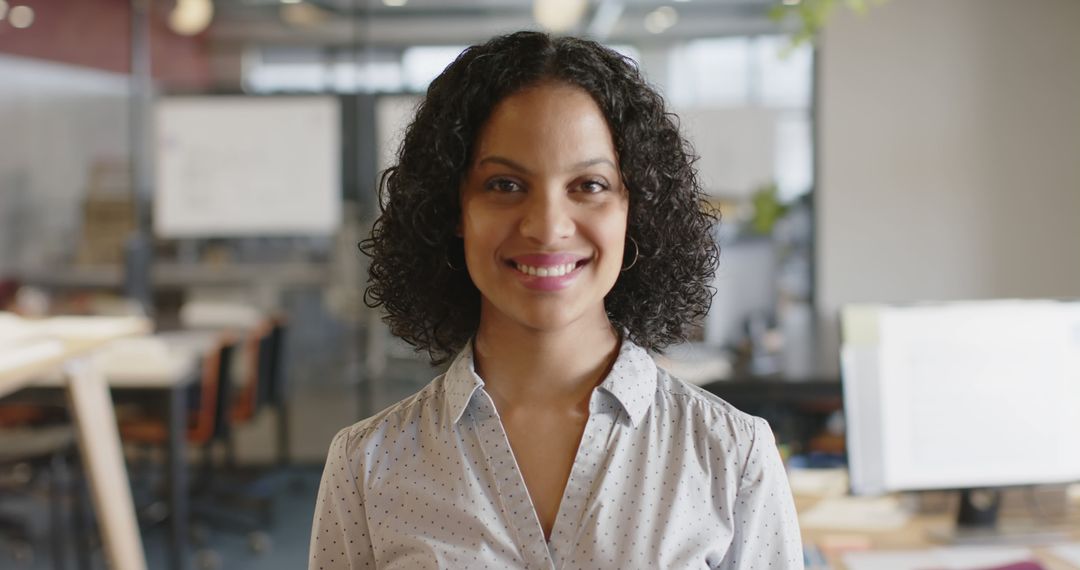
(544, 224)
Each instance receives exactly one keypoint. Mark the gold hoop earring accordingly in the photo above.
(636, 252)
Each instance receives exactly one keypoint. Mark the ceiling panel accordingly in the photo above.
(431, 22)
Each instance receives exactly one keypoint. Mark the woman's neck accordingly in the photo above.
(547, 369)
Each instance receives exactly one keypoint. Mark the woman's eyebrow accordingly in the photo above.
(505, 162)
(518, 167)
(594, 162)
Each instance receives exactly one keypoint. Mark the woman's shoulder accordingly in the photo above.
(714, 424)
(701, 406)
(393, 420)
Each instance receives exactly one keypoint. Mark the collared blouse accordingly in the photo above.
(666, 476)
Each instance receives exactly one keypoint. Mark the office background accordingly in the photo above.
(924, 150)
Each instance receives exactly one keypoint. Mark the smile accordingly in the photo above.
(549, 271)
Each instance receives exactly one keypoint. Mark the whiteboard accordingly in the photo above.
(247, 166)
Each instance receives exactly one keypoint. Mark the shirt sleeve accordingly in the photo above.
(339, 533)
(766, 533)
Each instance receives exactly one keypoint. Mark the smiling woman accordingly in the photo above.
(417, 239)
(543, 212)
(545, 225)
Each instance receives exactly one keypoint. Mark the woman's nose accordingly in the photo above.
(547, 218)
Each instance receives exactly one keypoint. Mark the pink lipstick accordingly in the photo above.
(548, 271)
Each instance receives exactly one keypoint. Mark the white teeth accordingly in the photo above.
(550, 271)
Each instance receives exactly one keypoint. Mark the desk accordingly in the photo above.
(95, 423)
(129, 367)
(913, 536)
(180, 275)
(133, 368)
(796, 408)
(269, 280)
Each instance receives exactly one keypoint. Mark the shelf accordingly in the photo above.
(292, 274)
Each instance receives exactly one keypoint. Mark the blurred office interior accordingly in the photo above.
(220, 158)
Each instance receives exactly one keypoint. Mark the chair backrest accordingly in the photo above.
(209, 398)
(257, 352)
(224, 390)
(265, 383)
(275, 380)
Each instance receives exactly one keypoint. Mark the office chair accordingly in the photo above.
(207, 426)
(207, 401)
(245, 496)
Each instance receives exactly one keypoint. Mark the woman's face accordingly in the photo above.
(544, 210)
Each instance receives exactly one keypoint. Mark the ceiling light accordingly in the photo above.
(191, 17)
(791, 2)
(291, 1)
(559, 15)
(21, 16)
(3, 9)
(661, 19)
(394, 3)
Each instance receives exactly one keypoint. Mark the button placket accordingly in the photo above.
(513, 494)
(583, 477)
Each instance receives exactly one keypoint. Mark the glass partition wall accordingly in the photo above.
(743, 94)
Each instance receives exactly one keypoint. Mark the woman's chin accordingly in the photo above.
(543, 318)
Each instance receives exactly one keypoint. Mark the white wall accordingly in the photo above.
(949, 145)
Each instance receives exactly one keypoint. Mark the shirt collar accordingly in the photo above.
(631, 381)
(462, 382)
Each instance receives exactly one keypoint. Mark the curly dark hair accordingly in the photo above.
(436, 307)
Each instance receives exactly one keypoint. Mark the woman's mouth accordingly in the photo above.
(550, 274)
(549, 271)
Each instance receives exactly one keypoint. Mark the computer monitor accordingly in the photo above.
(962, 395)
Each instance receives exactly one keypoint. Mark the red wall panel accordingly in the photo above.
(97, 34)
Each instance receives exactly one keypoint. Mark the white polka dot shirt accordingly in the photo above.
(666, 476)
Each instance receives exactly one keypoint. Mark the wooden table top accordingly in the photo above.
(915, 535)
(51, 342)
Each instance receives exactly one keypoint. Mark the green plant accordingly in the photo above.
(767, 209)
(812, 15)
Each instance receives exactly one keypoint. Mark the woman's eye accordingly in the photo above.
(503, 185)
(593, 186)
